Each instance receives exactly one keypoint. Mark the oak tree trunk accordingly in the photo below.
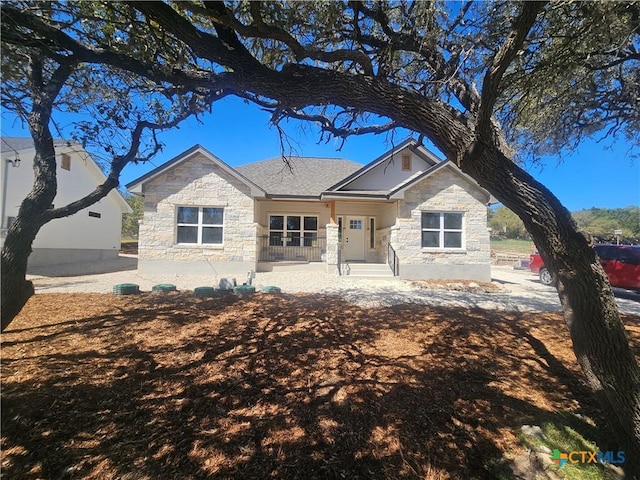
(32, 215)
(15, 288)
(590, 310)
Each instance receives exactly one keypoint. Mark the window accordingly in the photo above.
(65, 162)
(372, 232)
(293, 230)
(340, 228)
(441, 230)
(200, 225)
(355, 224)
(406, 163)
(95, 214)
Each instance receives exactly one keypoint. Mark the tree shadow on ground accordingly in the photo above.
(288, 386)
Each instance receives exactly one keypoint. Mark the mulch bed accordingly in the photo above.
(276, 386)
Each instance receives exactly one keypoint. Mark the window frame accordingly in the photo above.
(304, 240)
(442, 231)
(200, 226)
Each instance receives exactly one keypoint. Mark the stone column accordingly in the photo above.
(332, 248)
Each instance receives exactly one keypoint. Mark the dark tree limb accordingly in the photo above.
(501, 61)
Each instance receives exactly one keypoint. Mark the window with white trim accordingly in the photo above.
(200, 225)
(293, 230)
(441, 230)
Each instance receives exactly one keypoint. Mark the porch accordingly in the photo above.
(277, 252)
(291, 249)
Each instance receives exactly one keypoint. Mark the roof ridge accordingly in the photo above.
(298, 157)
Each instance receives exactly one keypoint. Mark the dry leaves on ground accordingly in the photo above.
(289, 386)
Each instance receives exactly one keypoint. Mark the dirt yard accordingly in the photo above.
(97, 386)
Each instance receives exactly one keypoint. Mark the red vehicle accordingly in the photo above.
(621, 263)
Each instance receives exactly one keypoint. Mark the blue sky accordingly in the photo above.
(596, 175)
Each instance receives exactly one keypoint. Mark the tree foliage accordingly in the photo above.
(578, 76)
(504, 222)
(601, 223)
(130, 221)
(113, 109)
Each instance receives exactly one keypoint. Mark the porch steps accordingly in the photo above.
(368, 270)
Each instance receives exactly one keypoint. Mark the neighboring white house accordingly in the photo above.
(421, 216)
(92, 234)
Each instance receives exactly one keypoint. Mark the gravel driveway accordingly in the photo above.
(518, 290)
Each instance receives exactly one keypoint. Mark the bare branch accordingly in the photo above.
(119, 162)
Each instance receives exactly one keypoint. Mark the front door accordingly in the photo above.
(354, 238)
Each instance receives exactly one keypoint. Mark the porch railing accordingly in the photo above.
(281, 249)
(393, 260)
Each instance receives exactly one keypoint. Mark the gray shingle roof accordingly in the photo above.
(308, 176)
(10, 144)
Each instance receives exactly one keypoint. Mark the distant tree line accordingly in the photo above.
(130, 221)
(600, 223)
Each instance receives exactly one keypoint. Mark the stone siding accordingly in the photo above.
(443, 192)
(200, 183)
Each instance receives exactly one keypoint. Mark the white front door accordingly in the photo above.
(354, 238)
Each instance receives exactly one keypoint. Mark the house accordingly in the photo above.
(92, 234)
(421, 216)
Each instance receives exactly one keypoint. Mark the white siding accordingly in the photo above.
(79, 231)
(388, 174)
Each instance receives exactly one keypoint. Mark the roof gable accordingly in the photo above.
(13, 144)
(387, 171)
(20, 144)
(197, 150)
(398, 191)
(322, 178)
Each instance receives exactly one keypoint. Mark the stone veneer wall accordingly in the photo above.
(443, 192)
(332, 248)
(197, 182)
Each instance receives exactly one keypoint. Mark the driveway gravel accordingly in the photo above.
(517, 290)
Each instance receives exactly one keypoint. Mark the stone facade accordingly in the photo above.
(201, 183)
(443, 191)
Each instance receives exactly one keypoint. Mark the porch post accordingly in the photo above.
(332, 213)
(332, 248)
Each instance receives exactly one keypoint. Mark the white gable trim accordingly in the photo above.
(399, 191)
(136, 185)
(90, 165)
(409, 144)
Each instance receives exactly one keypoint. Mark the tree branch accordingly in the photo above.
(329, 125)
(501, 61)
(121, 161)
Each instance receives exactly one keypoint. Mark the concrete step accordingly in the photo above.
(368, 270)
